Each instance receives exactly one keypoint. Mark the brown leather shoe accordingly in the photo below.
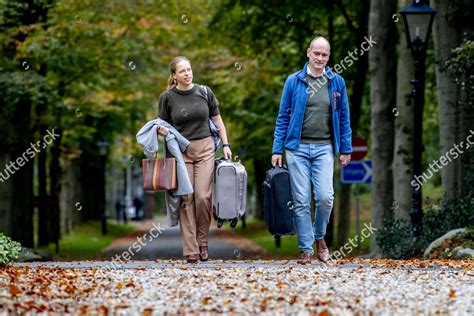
(204, 253)
(305, 258)
(191, 259)
(322, 249)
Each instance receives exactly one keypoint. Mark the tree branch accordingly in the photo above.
(346, 16)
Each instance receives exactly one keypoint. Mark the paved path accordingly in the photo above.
(161, 242)
(347, 287)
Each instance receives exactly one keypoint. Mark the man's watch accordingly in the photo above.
(226, 145)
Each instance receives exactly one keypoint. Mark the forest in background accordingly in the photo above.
(92, 71)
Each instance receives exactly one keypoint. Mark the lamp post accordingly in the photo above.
(102, 145)
(418, 19)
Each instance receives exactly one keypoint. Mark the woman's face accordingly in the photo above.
(183, 73)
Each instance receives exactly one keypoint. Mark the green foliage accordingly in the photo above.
(9, 249)
(396, 238)
(86, 240)
(83, 53)
(19, 90)
(461, 67)
(398, 242)
(264, 43)
(470, 233)
(107, 62)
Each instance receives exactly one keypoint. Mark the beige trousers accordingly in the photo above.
(195, 212)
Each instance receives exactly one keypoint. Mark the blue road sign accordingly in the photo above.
(357, 172)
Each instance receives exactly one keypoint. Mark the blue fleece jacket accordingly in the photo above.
(289, 122)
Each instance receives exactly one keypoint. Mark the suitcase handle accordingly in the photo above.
(222, 159)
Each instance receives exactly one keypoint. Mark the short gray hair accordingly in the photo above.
(319, 37)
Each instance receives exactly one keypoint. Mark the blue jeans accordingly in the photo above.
(311, 163)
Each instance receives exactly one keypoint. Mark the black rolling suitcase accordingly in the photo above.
(278, 207)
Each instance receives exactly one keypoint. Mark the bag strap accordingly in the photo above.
(215, 135)
(205, 91)
(164, 152)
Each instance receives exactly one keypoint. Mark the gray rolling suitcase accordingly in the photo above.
(229, 194)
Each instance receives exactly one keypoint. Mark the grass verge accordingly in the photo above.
(256, 230)
(86, 240)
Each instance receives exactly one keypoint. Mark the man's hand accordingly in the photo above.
(277, 160)
(344, 160)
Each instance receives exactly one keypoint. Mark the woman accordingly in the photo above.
(186, 107)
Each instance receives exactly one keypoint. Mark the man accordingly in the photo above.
(313, 125)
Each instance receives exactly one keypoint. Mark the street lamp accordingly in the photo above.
(103, 146)
(418, 19)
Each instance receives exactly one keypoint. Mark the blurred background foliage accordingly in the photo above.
(93, 70)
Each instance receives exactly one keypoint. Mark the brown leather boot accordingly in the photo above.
(191, 259)
(322, 249)
(204, 253)
(305, 258)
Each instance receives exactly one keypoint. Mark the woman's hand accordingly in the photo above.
(227, 153)
(163, 131)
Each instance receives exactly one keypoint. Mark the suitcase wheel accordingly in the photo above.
(220, 222)
(234, 222)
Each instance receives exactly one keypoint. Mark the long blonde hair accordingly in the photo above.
(175, 61)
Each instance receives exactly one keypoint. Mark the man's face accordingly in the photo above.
(318, 55)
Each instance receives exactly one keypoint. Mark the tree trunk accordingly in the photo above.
(55, 171)
(447, 34)
(16, 190)
(403, 113)
(70, 196)
(21, 206)
(90, 186)
(55, 189)
(355, 103)
(382, 70)
(344, 215)
(259, 169)
(90, 176)
(6, 192)
(43, 222)
(329, 238)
